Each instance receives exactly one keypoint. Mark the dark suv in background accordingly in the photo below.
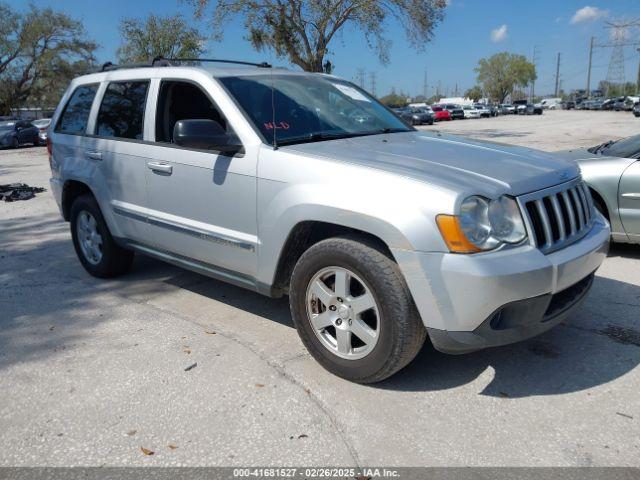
(456, 111)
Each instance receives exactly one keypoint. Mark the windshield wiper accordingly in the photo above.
(314, 137)
(602, 146)
(321, 136)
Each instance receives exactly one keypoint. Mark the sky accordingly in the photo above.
(472, 29)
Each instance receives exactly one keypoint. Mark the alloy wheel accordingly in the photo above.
(89, 237)
(343, 313)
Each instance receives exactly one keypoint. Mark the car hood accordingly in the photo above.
(456, 163)
(579, 154)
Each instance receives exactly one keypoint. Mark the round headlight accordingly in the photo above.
(505, 219)
(475, 224)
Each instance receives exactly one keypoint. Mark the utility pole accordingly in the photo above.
(638, 87)
(361, 75)
(425, 86)
(372, 80)
(589, 69)
(557, 74)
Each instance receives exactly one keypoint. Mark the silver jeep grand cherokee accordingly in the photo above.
(289, 183)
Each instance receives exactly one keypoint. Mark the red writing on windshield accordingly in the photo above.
(277, 126)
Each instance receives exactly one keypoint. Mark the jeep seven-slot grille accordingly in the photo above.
(558, 219)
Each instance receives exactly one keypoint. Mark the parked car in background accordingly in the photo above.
(18, 132)
(380, 235)
(529, 109)
(607, 104)
(454, 110)
(585, 105)
(507, 109)
(550, 103)
(484, 111)
(612, 172)
(596, 104)
(568, 105)
(417, 115)
(440, 113)
(627, 104)
(628, 147)
(636, 109)
(495, 111)
(43, 126)
(470, 111)
(520, 106)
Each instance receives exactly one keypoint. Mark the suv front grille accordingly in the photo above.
(559, 217)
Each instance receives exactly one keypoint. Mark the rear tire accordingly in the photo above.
(97, 251)
(395, 331)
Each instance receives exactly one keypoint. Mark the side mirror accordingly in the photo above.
(204, 135)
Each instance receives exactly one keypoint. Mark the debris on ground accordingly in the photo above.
(146, 451)
(191, 367)
(18, 191)
(624, 415)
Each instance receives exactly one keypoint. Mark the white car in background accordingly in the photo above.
(470, 111)
(483, 110)
(550, 103)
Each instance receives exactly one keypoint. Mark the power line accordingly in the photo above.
(619, 32)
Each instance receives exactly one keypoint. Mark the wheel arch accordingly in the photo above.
(307, 233)
(599, 199)
(71, 190)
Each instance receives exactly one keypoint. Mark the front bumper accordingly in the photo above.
(470, 302)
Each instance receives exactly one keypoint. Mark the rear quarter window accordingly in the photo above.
(121, 113)
(75, 115)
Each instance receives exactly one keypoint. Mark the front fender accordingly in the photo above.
(399, 211)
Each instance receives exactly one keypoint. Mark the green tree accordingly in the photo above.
(302, 30)
(169, 37)
(501, 73)
(394, 100)
(40, 51)
(617, 89)
(474, 93)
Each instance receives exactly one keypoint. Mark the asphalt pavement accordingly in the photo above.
(167, 367)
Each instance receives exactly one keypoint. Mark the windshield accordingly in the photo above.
(309, 108)
(7, 125)
(625, 148)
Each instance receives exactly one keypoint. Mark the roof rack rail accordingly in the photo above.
(215, 60)
(168, 62)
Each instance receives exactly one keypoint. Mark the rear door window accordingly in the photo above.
(121, 113)
(76, 113)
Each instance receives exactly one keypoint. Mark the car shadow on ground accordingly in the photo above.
(596, 345)
(48, 304)
(624, 250)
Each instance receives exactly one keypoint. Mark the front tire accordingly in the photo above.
(97, 251)
(353, 310)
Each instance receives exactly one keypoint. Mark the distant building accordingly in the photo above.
(32, 113)
(457, 101)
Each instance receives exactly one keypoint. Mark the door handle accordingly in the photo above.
(160, 167)
(635, 196)
(93, 155)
